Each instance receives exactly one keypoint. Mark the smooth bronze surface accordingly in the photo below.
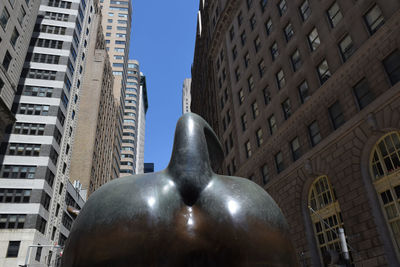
(185, 215)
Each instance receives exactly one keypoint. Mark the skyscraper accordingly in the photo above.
(186, 98)
(35, 159)
(117, 16)
(134, 121)
(17, 19)
(303, 95)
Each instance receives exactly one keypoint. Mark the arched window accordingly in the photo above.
(385, 172)
(325, 215)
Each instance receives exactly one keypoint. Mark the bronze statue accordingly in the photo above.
(185, 215)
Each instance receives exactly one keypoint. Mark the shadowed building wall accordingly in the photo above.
(304, 97)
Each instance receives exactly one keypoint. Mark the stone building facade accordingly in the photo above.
(304, 96)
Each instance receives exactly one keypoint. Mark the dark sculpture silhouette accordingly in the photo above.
(185, 215)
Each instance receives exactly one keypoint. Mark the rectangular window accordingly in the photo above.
(259, 137)
(323, 71)
(244, 122)
(265, 174)
(15, 195)
(21, 15)
(254, 108)
(18, 172)
(304, 92)
(257, 44)
(392, 67)
(12, 221)
(241, 96)
(295, 148)
(374, 19)
(334, 14)
(314, 133)
(289, 32)
(247, 147)
(336, 115)
(346, 47)
(13, 249)
(279, 162)
(296, 60)
(282, 7)
(280, 79)
(305, 10)
(272, 124)
(268, 26)
(362, 93)
(313, 39)
(38, 255)
(261, 68)
(267, 96)
(274, 51)
(287, 109)
(7, 60)
(5, 16)
(250, 83)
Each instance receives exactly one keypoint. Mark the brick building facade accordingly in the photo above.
(304, 96)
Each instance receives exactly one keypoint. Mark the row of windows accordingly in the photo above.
(39, 74)
(56, 16)
(12, 221)
(15, 195)
(33, 109)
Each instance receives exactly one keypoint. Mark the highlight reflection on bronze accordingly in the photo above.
(185, 215)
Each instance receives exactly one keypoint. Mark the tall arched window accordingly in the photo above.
(325, 211)
(385, 172)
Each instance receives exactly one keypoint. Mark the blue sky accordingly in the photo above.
(162, 39)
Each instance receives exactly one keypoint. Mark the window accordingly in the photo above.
(268, 26)
(261, 68)
(7, 60)
(289, 32)
(49, 43)
(272, 124)
(41, 224)
(259, 137)
(18, 172)
(234, 52)
(13, 249)
(304, 92)
(109, 27)
(280, 79)
(263, 4)
(23, 149)
(334, 14)
(46, 58)
(254, 109)
(305, 10)
(313, 39)
(39, 74)
(313, 131)
(287, 109)
(296, 60)
(45, 200)
(28, 128)
(12, 221)
(257, 44)
(346, 47)
(15, 195)
(392, 67)
(33, 109)
(58, 3)
(282, 7)
(253, 22)
(336, 115)
(274, 51)
(325, 215)
(295, 148)
(21, 15)
(374, 19)
(243, 37)
(323, 71)
(52, 29)
(1, 84)
(232, 33)
(244, 122)
(267, 96)
(279, 162)
(240, 18)
(265, 174)
(56, 16)
(237, 74)
(247, 147)
(250, 83)
(38, 253)
(5, 16)
(241, 96)
(362, 93)
(246, 59)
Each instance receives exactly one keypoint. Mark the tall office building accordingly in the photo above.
(117, 17)
(304, 96)
(132, 158)
(17, 19)
(186, 97)
(91, 162)
(34, 174)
